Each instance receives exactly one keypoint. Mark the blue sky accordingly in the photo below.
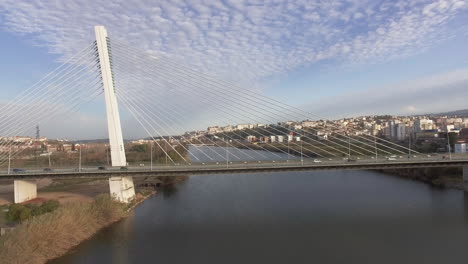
(334, 58)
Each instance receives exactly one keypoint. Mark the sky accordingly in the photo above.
(332, 58)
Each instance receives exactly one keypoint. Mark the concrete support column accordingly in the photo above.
(122, 188)
(24, 190)
(465, 173)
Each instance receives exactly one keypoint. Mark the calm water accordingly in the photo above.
(303, 217)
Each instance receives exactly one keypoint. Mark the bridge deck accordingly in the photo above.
(229, 169)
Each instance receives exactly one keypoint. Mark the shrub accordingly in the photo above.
(25, 214)
(18, 212)
(49, 206)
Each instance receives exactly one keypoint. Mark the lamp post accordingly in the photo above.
(227, 155)
(165, 149)
(79, 163)
(349, 147)
(375, 146)
(9, 160)
(151, 147)
(302, 158)
(409, 145)
(448, 144)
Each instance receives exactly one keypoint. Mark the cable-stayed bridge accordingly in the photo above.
(247, 131)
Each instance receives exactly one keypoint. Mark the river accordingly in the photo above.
(301, 217)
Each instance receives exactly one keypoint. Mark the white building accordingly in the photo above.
(423, 124)
(214, 130)
(242, 126)
(460, 148)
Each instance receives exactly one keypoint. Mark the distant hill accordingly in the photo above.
(463, 112)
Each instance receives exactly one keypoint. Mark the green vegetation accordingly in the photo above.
(51, 235)
(20, 212)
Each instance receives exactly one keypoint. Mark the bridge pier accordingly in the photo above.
(122, 188)
(24, 190)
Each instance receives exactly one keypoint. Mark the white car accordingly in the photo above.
(391, 158)
(317, 161)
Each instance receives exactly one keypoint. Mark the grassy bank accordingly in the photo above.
(51, 235)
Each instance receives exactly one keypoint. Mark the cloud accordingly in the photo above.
(438, 93)
(244, 40)
(252, 41)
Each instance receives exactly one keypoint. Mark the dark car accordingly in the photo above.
(101, 168)
(123, 168)
(18, 170)
(47, 170)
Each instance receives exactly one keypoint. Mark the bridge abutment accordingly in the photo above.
(122, 188)
(24, 190)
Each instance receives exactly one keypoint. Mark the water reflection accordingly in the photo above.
(168, 190)
(465, 196)
(121, 240)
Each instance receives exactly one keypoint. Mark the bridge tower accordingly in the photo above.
(112, 109)
(121, 188)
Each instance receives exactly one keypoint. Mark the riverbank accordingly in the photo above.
(438, 177)
(52, 235)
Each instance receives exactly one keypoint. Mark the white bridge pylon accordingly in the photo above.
(117, 148)
(121, 188)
